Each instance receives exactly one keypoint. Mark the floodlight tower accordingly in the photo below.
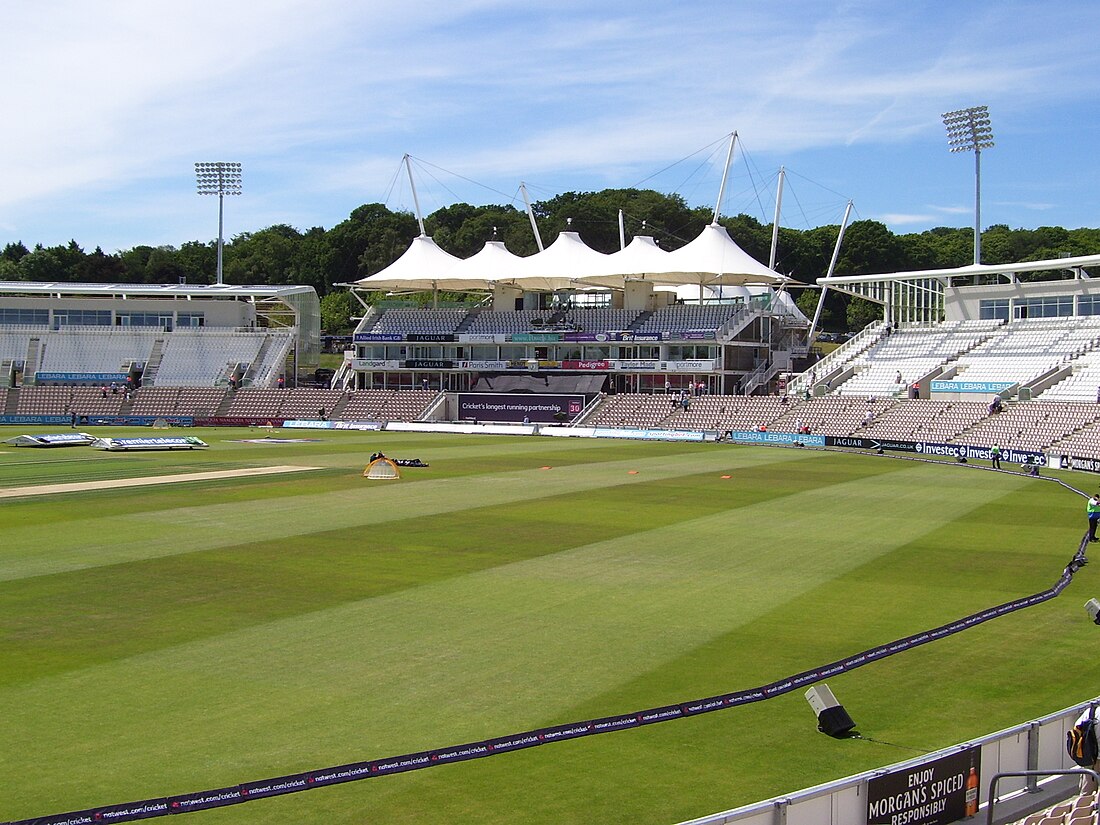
(219, 179)
(969, 130)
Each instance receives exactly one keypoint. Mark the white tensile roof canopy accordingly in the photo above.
(712, 259)
(559, 266)
(420, 267)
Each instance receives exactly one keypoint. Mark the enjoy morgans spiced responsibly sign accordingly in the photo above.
(932, 793)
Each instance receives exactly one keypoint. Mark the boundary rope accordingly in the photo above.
(369, 769)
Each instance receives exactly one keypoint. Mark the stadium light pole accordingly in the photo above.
(969, 130)
(219, 179)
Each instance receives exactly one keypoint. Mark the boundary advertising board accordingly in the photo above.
(933, 793)
(540, 409)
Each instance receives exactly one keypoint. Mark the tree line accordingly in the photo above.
(373, 236)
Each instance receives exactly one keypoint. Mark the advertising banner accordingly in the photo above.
(987, 387)
(374, 364)
(486, 365)
(687, 366)
(599, 366)
(934, 793)
(754, 437)
(430, 337)
(73, 377)
(479, 338)
(429, 364)
(1089, 465)
(1008, 454)
(35, 419)
(52, 440)
(367, 337)
(652, 435)
(635, 366)
(856, 443)
(535, 337)
(164, 443)
(542, 409)
(237, 421)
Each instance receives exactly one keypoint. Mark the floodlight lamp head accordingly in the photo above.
(969, 130)
(218, 178)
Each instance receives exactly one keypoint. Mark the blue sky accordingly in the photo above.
(108, 105)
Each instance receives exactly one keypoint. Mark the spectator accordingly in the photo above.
(281, 383)
(1088, 784)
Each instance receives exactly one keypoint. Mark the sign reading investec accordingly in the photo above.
(972, 386)
(970, 451)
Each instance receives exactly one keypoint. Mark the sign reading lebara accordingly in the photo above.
(933, 793)
(537, 409)
(989, 387)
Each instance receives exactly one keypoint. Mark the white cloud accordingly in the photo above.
(320, 99)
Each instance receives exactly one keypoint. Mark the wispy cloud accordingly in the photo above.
(110, 103)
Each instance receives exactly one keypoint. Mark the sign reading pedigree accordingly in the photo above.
(586, 365)
(933, 793)
(972, 386)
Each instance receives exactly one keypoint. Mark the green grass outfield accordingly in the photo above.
(160, 640)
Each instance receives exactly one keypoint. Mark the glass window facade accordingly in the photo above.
(1054, 306)
(82, 317)
(1088, 305)
(37, 317)
(996, 309)
(160, 320)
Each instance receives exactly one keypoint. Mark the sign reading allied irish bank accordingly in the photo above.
(933, 793)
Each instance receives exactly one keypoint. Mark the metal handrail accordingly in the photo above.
(998, 776)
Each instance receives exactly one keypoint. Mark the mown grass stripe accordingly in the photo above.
(515, 646)
(37, 548)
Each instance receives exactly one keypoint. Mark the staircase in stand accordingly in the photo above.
(156, 355)
(30, 365)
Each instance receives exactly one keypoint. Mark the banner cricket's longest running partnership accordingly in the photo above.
(248, 791)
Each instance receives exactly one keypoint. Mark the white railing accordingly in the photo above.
(1029, 746)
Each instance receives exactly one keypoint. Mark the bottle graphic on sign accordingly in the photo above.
(972, 792)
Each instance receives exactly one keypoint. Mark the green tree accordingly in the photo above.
(870, 247)
(14, 252)
(862, 312)
(100, 268)
(370, 239)
(336, 312)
